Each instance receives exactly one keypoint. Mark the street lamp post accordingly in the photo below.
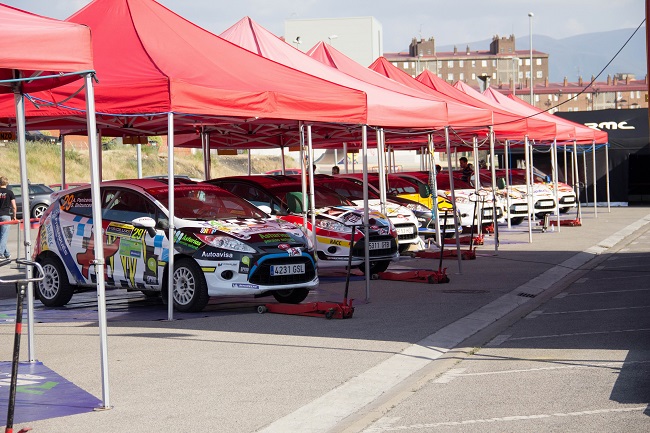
(530, 21)
(515, 74)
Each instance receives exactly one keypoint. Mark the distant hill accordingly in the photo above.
(583, 55)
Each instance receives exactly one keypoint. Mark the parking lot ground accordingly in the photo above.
(233, 370)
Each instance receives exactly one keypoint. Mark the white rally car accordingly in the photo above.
(222, 245)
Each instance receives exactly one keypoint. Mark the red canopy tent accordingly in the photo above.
(385, 108)
(41, 48)
(580, 133)
(506, 125)
(461, 116)
(151, 61)
(42, 53)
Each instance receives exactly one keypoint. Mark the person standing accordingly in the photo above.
(7, 213)
(467, 168)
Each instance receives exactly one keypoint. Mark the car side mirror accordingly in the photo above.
(424, 190)
(501, 183)
(147, 223)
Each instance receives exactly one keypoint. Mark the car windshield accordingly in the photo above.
(349, 189)
(206, 202)
(291, 196)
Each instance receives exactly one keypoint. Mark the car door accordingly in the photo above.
(130, 252)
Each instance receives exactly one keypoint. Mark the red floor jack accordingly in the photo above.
(21, 287)
(329, 310)
(421, 275)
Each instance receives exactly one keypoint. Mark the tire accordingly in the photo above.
(55, 289)
(190, 289)
(516, 221)
(38, 210)
(564, 209)
(151, 293)
(291, 296)
(375, 267)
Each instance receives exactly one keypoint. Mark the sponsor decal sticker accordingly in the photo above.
(245, 286)
(216, 255)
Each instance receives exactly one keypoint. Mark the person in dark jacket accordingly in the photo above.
(7, 213)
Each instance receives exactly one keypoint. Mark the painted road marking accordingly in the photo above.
(498, 340)
(450, 375)
(581, 333)
(581, 280)
(595, 310)
(607, 292)
(505, 419)
(534, 314)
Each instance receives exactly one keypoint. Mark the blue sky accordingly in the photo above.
(449, 22)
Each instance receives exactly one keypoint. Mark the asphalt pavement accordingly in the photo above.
(548, 335)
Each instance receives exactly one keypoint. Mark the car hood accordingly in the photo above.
(254, 231)
(393, 210)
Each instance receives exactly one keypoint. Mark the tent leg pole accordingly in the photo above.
(95, 179)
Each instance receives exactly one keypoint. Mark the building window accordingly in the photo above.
(631, 95)
(494, 75)
(638, 94)
(473, 76)
(450, 77)
(461, 76)
(538, 62)
(520, 75)
(406, 65)
(484, 63)
(460, 63)
(494, 63)
(527, 62)
(536, 98)
(527, 74)
(539, 74)
(450, 63)
(473, 63)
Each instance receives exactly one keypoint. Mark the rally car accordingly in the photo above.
(403, 218)
(222, 245)
(335, 216)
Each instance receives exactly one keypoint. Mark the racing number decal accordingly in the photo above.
(67, 201)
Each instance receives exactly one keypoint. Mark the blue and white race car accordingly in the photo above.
(222, 245)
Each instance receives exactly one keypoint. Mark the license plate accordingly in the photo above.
(404, 230)
(277, 270)
(379, 245)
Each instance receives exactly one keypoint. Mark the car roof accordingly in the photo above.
(266, 181)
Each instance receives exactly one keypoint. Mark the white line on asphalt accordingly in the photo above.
(496, 341)
(618, 364)
(449, 375)
(534, 314)
(504, 419)
(581, 280)
(561, 295)
(323, 413)
(596, 310)
(624, 277)
(607, 292)
(580, 333)
(613, 268)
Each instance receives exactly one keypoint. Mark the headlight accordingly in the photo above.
(226, 243)
(335, 226)
(417, 207)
